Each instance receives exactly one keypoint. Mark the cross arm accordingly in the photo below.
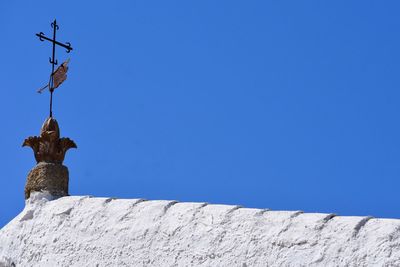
(66, 45)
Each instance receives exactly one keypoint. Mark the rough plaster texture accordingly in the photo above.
(86, 231)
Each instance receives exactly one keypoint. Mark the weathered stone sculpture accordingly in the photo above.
(49, 149)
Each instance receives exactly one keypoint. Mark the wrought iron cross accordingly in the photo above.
(53, 60)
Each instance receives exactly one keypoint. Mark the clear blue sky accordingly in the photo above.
(287, 105)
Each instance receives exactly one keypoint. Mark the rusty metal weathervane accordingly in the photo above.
(59, 75)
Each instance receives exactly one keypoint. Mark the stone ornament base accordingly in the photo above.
(49, 177)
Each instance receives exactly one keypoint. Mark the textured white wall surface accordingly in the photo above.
(86, 231)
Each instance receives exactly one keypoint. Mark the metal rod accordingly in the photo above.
(57, 42)
(51, 104)
(52, 67)
(54, 48)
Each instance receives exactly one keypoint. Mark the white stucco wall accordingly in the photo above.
(85, 231)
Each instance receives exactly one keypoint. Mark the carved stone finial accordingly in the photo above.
(49, 150)
(49, 147)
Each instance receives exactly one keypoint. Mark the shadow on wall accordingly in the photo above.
(6, 262)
